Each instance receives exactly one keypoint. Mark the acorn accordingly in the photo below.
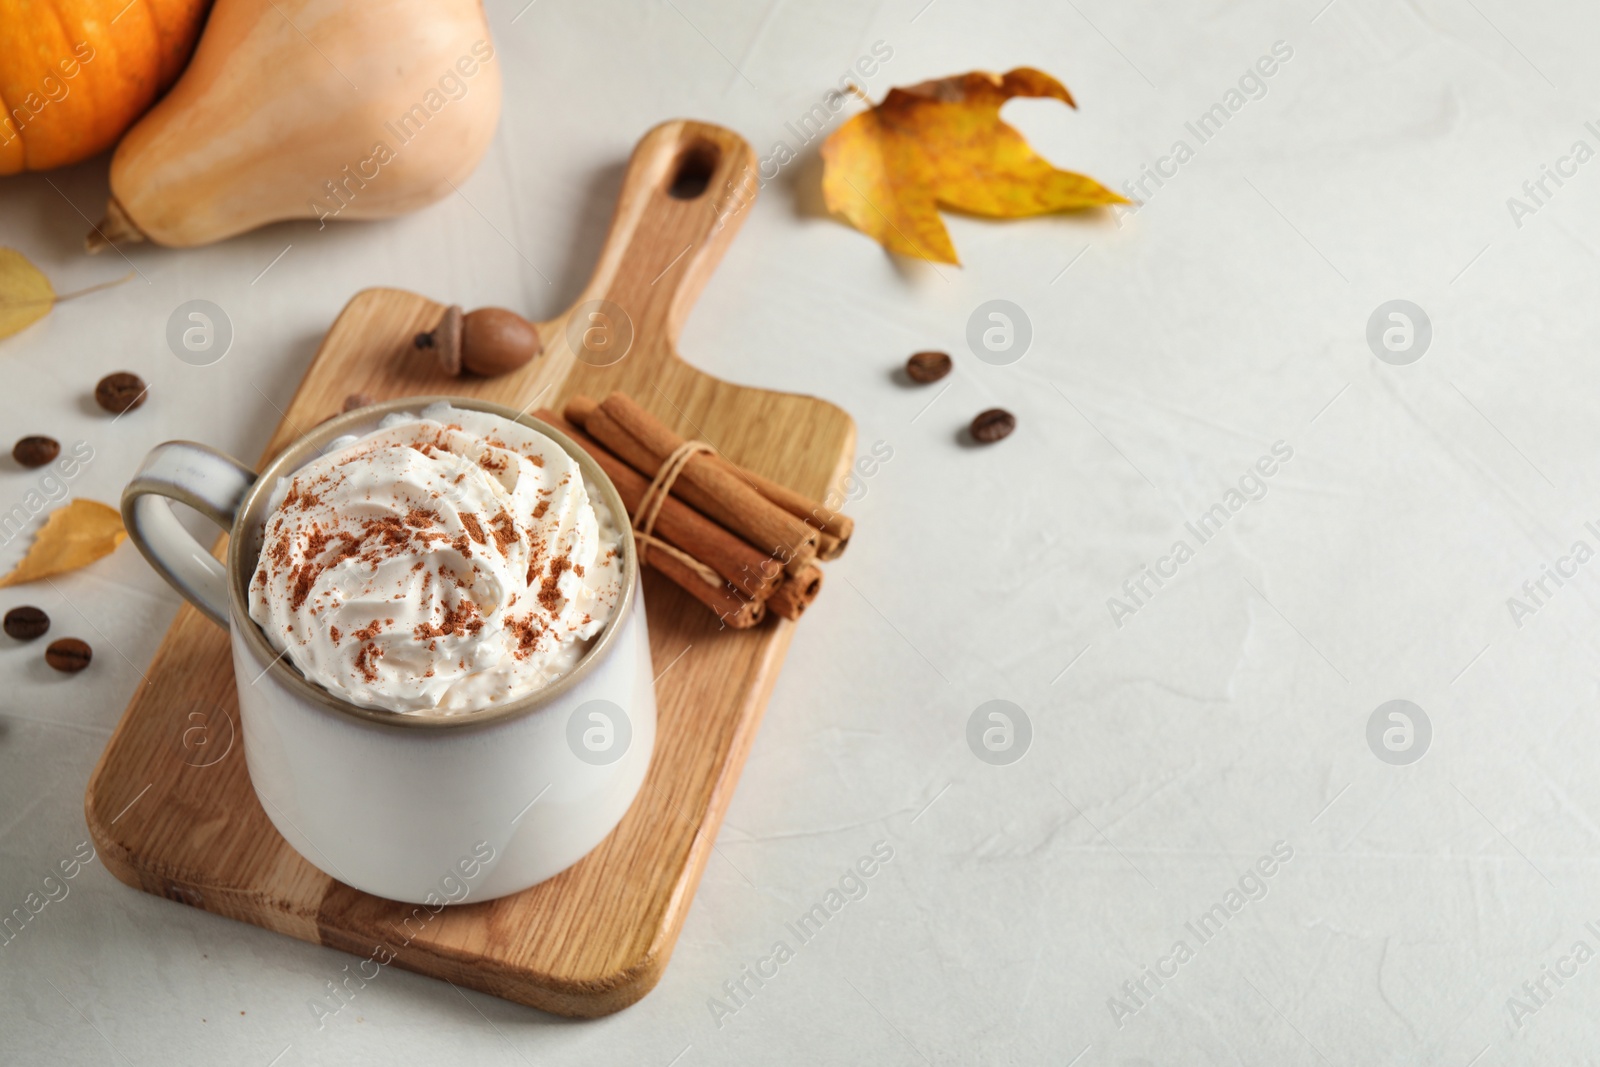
(488, 341)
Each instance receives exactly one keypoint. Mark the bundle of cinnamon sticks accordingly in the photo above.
(739, 543)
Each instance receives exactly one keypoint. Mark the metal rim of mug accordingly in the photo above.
(244, 538)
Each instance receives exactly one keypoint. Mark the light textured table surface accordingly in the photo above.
(1226, 717)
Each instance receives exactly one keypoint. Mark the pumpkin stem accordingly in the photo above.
(114, 228)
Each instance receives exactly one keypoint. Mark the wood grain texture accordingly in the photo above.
(174, 816)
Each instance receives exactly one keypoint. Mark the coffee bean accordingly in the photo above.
(36, 450)
(68, 654)
(357, 400)
(120, 392)
(26, 623)
(992, 425)
(928, 366)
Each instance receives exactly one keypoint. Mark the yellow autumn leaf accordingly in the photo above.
(26, 295)
(74, 536)
(941, 143)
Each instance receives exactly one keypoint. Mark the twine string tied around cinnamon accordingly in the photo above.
(655, 496)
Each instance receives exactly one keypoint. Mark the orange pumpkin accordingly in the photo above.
(74, 74)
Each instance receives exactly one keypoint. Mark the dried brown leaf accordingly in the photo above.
(941, 143)
(74, 536)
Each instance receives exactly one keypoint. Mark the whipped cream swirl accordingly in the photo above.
(445, 562)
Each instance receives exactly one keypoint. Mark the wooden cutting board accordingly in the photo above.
(170, 804)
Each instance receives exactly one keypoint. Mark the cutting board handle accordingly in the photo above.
(686, 192)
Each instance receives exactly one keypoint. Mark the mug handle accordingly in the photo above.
(212, 483)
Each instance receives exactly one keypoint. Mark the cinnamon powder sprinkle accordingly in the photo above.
(527, 636)
(457, 621)
(366, 661)
(549, 591)
(369, 631)
(302, 576)
(504, 531)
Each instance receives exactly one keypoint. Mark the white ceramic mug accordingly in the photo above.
(416, 807)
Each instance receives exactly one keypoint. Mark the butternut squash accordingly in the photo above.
(322, 109)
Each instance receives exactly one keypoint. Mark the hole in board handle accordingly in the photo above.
(693, 173)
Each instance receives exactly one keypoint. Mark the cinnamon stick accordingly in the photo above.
(752, 573)
(718, 491)
(735, 611)
(798, 590)
(652, 432)
(813, 513)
